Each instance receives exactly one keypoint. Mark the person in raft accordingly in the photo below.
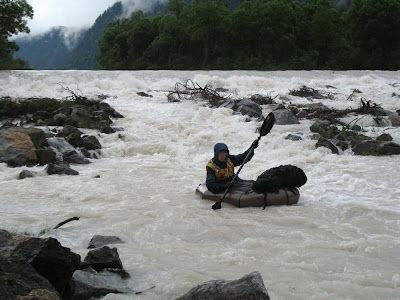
(220, 169)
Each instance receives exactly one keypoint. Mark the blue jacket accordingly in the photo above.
(211, 181)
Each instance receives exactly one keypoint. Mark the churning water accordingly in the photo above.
(341, 241)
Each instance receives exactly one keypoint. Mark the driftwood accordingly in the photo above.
(66, 221)
(193, 91)
(306, 92)
(332, 115)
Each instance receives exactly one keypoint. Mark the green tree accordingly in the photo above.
(13, 20)
(207, 24)
(374, 30)
(113, 46)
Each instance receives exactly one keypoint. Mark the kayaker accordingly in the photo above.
(220, 169)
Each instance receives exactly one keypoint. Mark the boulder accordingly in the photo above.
(250, 286)
(16, 148)
(74, 157)
(248, 107)
(88, 284)
(59, 119)
(101, 258)
(27, 174)
(323, 142)
(45, 156)
(91, 143)
(390, 149)
(51, 260)
(37, 136)
(61, 169)
(74, 139)
(285, 117)
(18, 278)
(98, 241)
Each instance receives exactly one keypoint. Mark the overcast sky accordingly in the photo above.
(69, 13)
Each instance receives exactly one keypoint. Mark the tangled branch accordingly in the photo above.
(193, 91)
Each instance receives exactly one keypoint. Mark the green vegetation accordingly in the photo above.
(13, 19)
(259, 35)
(14, 108)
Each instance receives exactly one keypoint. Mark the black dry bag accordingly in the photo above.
(286, 176)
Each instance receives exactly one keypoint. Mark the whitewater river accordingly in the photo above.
(341, 241)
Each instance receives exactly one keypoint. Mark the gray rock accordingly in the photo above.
(323, 142)
(61, 169)
(91, 143)
(285, 117)
(90, 284)
(51, 260)
(101, 258)
(18, 278)
(293, 137)
(98, 241)
(250, 286)
(45, 156)
(27, 174)
(390, 149)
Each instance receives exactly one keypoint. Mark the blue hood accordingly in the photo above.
(218, 148)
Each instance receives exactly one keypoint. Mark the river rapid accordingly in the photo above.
(341, 241)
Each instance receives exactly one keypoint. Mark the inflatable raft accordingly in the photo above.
(241, 195)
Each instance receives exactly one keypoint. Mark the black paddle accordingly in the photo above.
(265, 129)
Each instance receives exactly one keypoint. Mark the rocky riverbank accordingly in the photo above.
(35, 268)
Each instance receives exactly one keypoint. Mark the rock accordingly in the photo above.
(59, 119)
(143, 94)
(18, 278)
(40, 294)
(366, 148)
(74, 157)
(101, 258)
(38, 136)
(120, 272)
(75, 140)
(27, 174)
(250, 286)
(110, 111)
(323, 142)
(293, 137)
(45, 156)
(385, 137)
(390, 149)
(16, 148)
(68, 130)
(107, 130)
(51, 260)
(61, 169)
(395, 120)
(325, 129)
(248, 107)
(102, 240)
(88, 284)
(285, 117)
(91, 143)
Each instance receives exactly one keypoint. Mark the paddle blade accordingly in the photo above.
(267, 124)
(217, 205)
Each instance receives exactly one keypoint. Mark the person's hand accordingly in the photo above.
(255, 144)
(228, 185)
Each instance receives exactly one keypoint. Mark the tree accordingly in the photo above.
(13, 20)
(374, 30)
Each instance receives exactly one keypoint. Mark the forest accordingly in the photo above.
(256, 35)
